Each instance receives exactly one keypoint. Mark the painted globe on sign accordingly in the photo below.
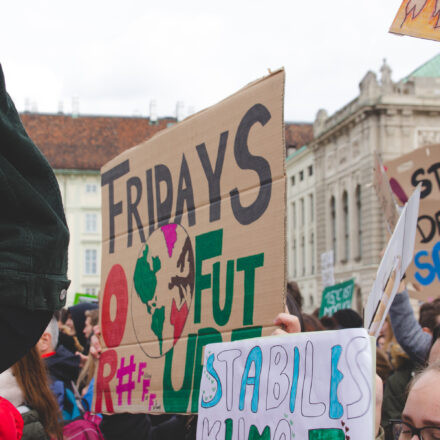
(163, 286)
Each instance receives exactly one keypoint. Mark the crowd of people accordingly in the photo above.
(46, 379)
(51, 387)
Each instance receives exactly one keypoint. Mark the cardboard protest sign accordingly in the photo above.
(406, 172)
(336, 298)
(418, 18)
(385, 194)
(327, 269)
(305, 386)
(395, 261)
(193, 249)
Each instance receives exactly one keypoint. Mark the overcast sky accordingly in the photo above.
(116, 56)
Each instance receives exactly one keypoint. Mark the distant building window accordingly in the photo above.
(91, 222)
(90, 262)
(91, 188)
(293, 217)
(301, 176)
(312, 252)
(312, 208)
(311, 301)
(91, 290)
(333, 225)
(294, 258)
(292, 181)
(302, 213)
(346, 226)
(303, 255)
(359, 220)
(310, 170)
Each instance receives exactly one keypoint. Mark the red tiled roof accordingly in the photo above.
(298, 135)
(88, 142)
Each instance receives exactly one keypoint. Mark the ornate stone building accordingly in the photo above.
(301, 224)
(391, 118)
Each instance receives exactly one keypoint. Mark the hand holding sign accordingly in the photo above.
(288, 324)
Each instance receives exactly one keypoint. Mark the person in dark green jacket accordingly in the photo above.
(33, 238)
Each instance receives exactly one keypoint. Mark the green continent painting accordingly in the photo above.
(145, 280)
(163, 281)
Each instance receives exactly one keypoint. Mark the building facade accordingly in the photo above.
(301, 224)
(390, 119)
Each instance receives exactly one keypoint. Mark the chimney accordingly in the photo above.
(153, 112)
(27, 105)
(75, 107)
(60, 107)
(180, 107)
(34, 107)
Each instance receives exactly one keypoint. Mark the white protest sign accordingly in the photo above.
(305, 386)
(327, 270)
(396, 259)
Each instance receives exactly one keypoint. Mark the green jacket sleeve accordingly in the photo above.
(33, 231)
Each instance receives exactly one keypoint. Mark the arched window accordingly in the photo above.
(303, 255)
(294, 259)
(303, 214)
(359, 220)
(333, 225)
(346, 226)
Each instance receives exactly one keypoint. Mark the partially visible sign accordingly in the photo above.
(385, 194)
(327, 270)
(316, 386)
(336, 298)
(84, 297)
(395, 261)
(418, 18)
(422, 166)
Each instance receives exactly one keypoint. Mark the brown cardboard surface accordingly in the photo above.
(405, 173)
(212, 270)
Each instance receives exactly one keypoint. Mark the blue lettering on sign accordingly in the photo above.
(294, 388)
(336, 409)
(255, 357)
(218, 394)
(433, 269)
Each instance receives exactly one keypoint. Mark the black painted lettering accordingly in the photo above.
(163, 207)
(426, 183)
(246, 161)
(185, 194)
(150, 200)
(434, 169)
(114, 209)
(132, 209)
(422, 225)
(213, 177)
